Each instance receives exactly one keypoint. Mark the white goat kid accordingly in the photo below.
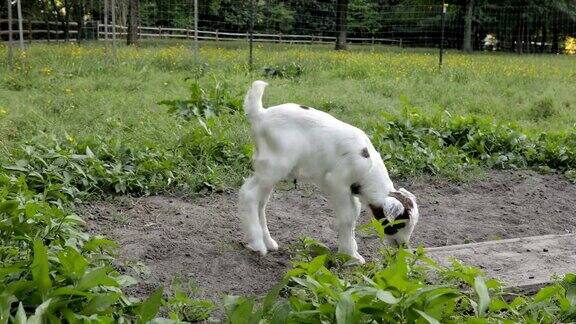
(298, 142)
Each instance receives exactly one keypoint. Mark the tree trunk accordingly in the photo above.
(133, 21)
(341, 14)
(527, 36)
(67, 20)
(544, 38)
(556, 36)
(467, 43)
(79, 10)
(520, 34)
(60, 18)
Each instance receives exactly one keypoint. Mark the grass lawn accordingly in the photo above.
(77, 92)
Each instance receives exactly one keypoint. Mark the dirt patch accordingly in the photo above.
(199, 237)
(522, 264)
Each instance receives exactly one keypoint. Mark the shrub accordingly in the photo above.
(543, 109)
(291, 70)
(204, 103)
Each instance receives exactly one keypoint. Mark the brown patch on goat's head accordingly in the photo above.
(406, 201)
(365, 153)
(304, 107)
(377, 211)
(408, 206)
(355, 188)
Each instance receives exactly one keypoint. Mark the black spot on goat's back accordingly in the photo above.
(355, 188)
(304, 107)
(365, 152)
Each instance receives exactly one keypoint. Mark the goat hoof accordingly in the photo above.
(358, 257)
(271, 245)
(257, 247)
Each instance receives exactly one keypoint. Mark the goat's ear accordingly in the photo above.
(406, 199)
(407, 193)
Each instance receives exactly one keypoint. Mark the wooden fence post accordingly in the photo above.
(30, 30)
(20, 27)
(196, 30)
(113, 4)
(48, 30)
(10, 45)
(105, 19)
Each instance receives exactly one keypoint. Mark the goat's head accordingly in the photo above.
(398, 206)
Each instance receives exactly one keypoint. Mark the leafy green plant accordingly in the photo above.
(49, 265)
(71, 169)
(403, 287)
(183, 306)
(290, 70)
(204, 103)
(329, 105)
(543, 109)
(571, 174)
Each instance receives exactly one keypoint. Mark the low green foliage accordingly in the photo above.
(452, 145)
(67, 169)
(403, 287)
(184, 306)
(203, 103)
(543, 109)
(51, 270)
(49, 265)
(291, 71)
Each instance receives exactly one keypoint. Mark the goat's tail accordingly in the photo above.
(253, 100)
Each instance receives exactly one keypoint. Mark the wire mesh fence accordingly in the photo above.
(521, 26)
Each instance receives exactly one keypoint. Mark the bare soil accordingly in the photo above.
(522, 264)
(199, 237)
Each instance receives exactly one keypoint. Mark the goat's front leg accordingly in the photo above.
(347, 209)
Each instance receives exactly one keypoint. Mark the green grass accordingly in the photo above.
(78, 92)
(76, 123)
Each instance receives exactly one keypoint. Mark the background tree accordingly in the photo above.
(341, 16)
(467, 45)
(133, 21)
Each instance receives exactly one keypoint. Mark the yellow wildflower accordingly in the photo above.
(46, 71)
(70, 139)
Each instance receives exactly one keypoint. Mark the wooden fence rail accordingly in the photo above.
(215, 35)
(36, 30)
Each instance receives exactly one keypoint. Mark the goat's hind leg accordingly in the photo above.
(254, 195)
(249, 201)
(271, 245)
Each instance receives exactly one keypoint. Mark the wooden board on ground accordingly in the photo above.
(522, 264)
